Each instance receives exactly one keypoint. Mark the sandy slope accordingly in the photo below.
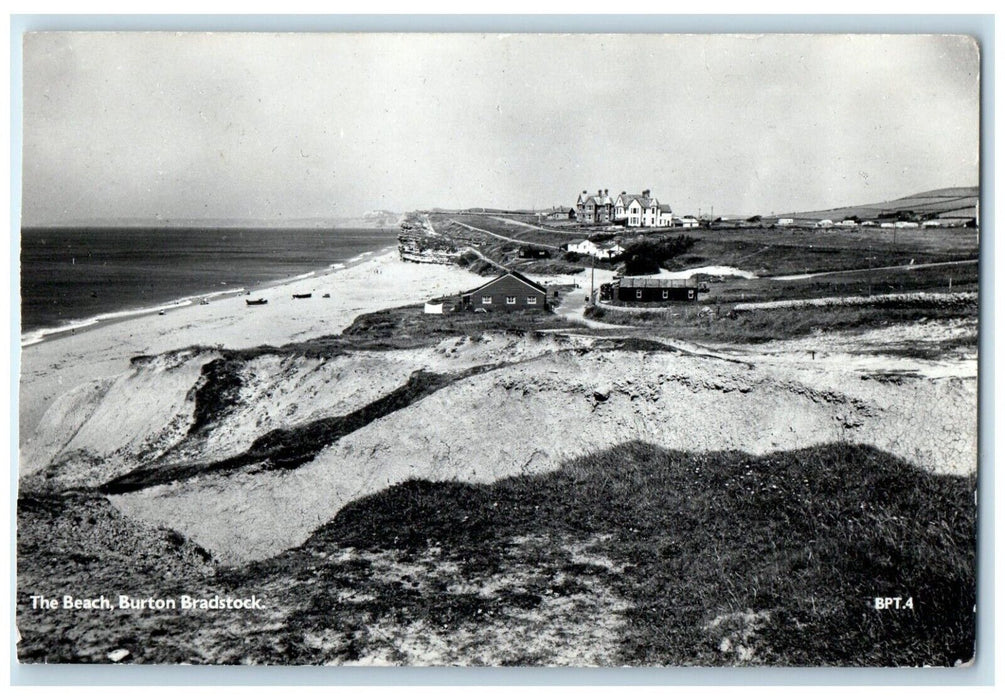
(530, 416)
(56, 366)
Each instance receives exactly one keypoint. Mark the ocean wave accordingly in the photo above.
(40, 334)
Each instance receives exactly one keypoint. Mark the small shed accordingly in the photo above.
(533, 252)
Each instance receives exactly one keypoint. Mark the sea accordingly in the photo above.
(73, 278)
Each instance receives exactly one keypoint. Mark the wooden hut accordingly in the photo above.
(656, 290)
(508, 291)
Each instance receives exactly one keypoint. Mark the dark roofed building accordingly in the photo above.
(594, 209)
(508, 291)
(654, 289)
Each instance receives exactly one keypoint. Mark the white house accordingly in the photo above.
(906, 224)
(686, 222)
(601, 251)
(823, 223)
(665, 216)
(786, 222)
(848, 223)
(887, 224)
(637, 209)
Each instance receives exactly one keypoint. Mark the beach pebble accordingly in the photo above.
(118, 655)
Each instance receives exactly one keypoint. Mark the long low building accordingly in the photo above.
(655, 289)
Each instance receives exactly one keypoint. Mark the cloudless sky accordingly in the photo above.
(259, 126)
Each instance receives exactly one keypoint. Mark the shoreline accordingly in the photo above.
(72, 327)
(68, 361)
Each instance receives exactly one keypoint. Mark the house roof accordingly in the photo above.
(509, 273)
(666, 208)
(656, 282)
(644, 202)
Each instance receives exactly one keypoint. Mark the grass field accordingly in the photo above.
(691, 322)
(950, 278)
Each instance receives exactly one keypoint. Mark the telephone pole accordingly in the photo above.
(593, 267)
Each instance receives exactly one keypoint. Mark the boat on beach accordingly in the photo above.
(302, 296)
(256, 302)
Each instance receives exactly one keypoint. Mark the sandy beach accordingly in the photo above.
(53, 367)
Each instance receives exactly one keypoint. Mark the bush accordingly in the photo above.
(647, 256)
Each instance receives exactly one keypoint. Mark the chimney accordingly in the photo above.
(645, 193)
(606, 191)
(623, 192)
(600, 192)
(584, 191)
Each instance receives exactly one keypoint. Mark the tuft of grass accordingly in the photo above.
(217, 392)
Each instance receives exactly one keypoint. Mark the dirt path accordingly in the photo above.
(811, 275)
(504, 238)
(504, 220)
(948, 297)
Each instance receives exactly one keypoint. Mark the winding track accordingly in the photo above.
(504, 238)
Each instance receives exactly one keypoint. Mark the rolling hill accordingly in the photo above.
(947, 203)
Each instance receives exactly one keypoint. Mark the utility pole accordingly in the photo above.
(593, 267)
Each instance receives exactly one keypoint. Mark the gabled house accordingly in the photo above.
(507, 292)
(637, 209)
(594, 208)
(558, 214)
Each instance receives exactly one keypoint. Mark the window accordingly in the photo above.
(487, 301)
(531, 301)
(666, 294)
(638, 293)
(690, 294)
(510, 300)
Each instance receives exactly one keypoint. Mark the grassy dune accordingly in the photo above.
(781, 555)
(634, 555)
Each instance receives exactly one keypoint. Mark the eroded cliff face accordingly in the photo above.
(247, 454)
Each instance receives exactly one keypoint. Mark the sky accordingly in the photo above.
(168, 126)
